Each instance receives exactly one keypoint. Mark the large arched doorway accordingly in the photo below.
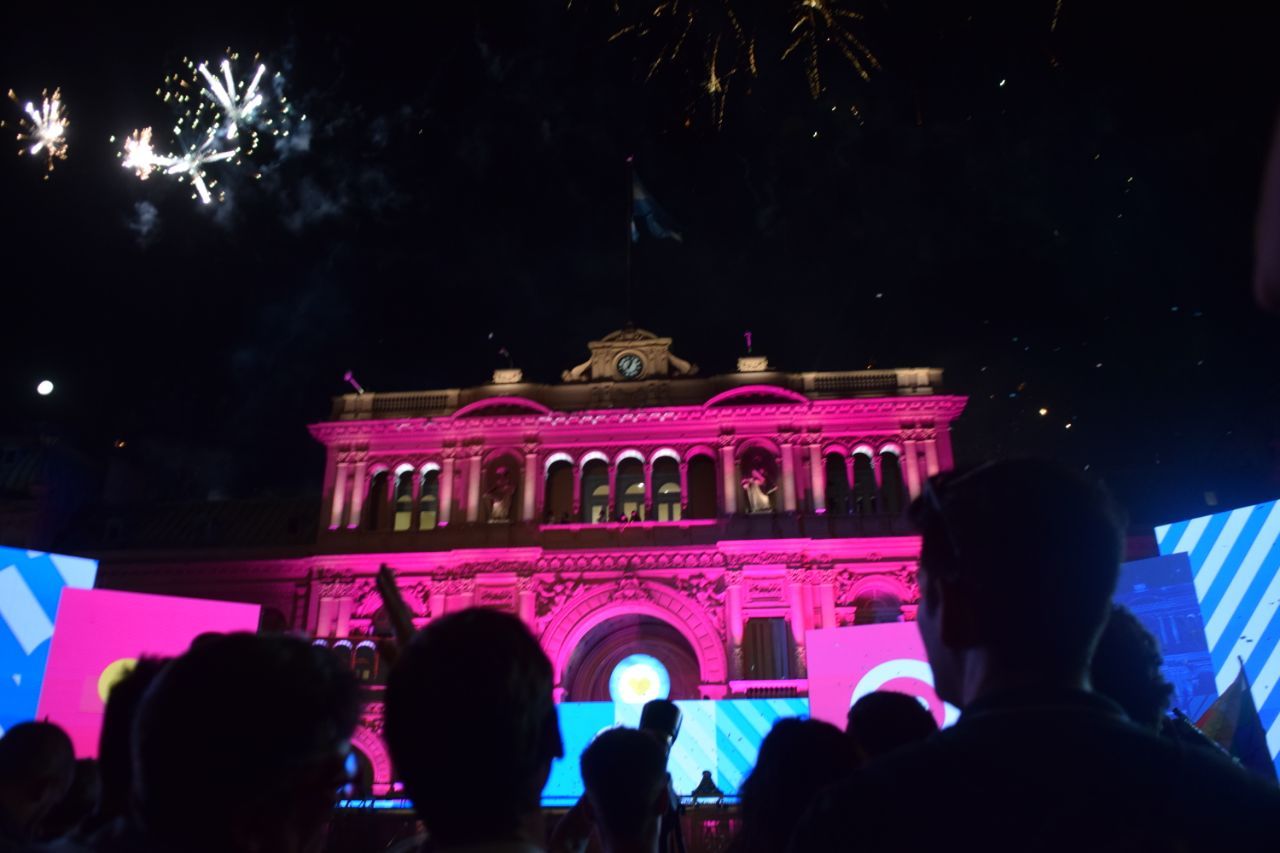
(606, 646)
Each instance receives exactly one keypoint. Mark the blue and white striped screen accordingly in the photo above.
(31, 583)
(723, 737)
(1235, 565)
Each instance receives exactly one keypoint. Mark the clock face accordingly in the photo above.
(630, 365)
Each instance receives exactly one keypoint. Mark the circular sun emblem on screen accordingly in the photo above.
(638, 679)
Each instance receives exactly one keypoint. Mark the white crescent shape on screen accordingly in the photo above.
(883, 673)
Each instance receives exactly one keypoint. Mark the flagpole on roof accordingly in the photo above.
(630, 224)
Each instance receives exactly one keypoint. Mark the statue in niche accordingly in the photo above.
(499, 495)
(759, 492)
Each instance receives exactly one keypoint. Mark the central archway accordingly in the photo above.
(600, 603)
(592, 663)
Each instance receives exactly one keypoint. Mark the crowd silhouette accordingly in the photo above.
(1063, 742)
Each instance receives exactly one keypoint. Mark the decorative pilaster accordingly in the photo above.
(827, 601)
(444, 510)
(614, 504)
(728, 476)
(577, 491)
(532, 470)
(799, 620)
(359, 485)
(649, 514)
(913, 467)
(473, 487)
(415, 511)
(389, 501)
(817, 472)
(339, 496)
(931, 456)
(684, 488)
(788, 476)
(735, 622)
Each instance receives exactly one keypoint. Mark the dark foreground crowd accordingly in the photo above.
(239, 745)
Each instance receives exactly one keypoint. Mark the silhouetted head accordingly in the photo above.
(37, 763)
(1018, 563)
(797, 759)
(883, 721)
(624, 772)
(77, 805)
(1126, 669)
(115, 742)
(240, 744)
(471, 725)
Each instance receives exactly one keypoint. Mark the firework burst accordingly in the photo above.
(44, 129)
(823, 22)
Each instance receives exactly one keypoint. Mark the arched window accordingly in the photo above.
(429, 501)
(341, 651)
(865, 495)
(375, 504)
(404, 500)
(666, 490)
(630, 488)
(558, 501)
(877, 607)
(701, 477)
(595, 491)
(837, 475)
(891, 490)
(365, 662)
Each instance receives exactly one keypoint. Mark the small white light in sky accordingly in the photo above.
(45, 388)
(1002, 82)
(1043, 412)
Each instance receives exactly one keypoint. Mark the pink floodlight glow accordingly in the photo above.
(97, 636)
(845, 664)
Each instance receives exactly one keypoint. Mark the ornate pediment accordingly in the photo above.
(627, 355)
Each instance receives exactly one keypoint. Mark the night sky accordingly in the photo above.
(1060, 216)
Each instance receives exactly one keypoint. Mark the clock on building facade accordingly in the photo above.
(629, 365)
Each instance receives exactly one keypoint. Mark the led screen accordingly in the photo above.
(847, 663)
(100, 633)
(722, 737)
(1235, 569)
(31, 585)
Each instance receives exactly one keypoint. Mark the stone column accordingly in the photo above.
(614, 503)
(389, 517)
(648, 493)
(818, 473)
(358, 487)
(728, 476)
(931, 456)
(577, 492)
(799, 622)
(473, 488)
(684, 488)
(339, 496)
(877, 468)
(788, 478)
(444, 501)
(827, 600)
(532, 470)
(733, 603)
(526, 603)
(415, 513)
(913, 468)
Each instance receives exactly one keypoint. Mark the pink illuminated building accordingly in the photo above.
(633, 507)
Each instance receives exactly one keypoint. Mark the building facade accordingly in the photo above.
(633, 507)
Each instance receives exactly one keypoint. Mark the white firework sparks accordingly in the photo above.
(237, 109)
(45, 128)
(140, 156)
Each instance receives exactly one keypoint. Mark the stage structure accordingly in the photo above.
(660, 532)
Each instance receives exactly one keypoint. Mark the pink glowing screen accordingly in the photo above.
(99, 633)
(847, 663)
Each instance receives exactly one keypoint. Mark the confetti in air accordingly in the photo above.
(44, 129)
